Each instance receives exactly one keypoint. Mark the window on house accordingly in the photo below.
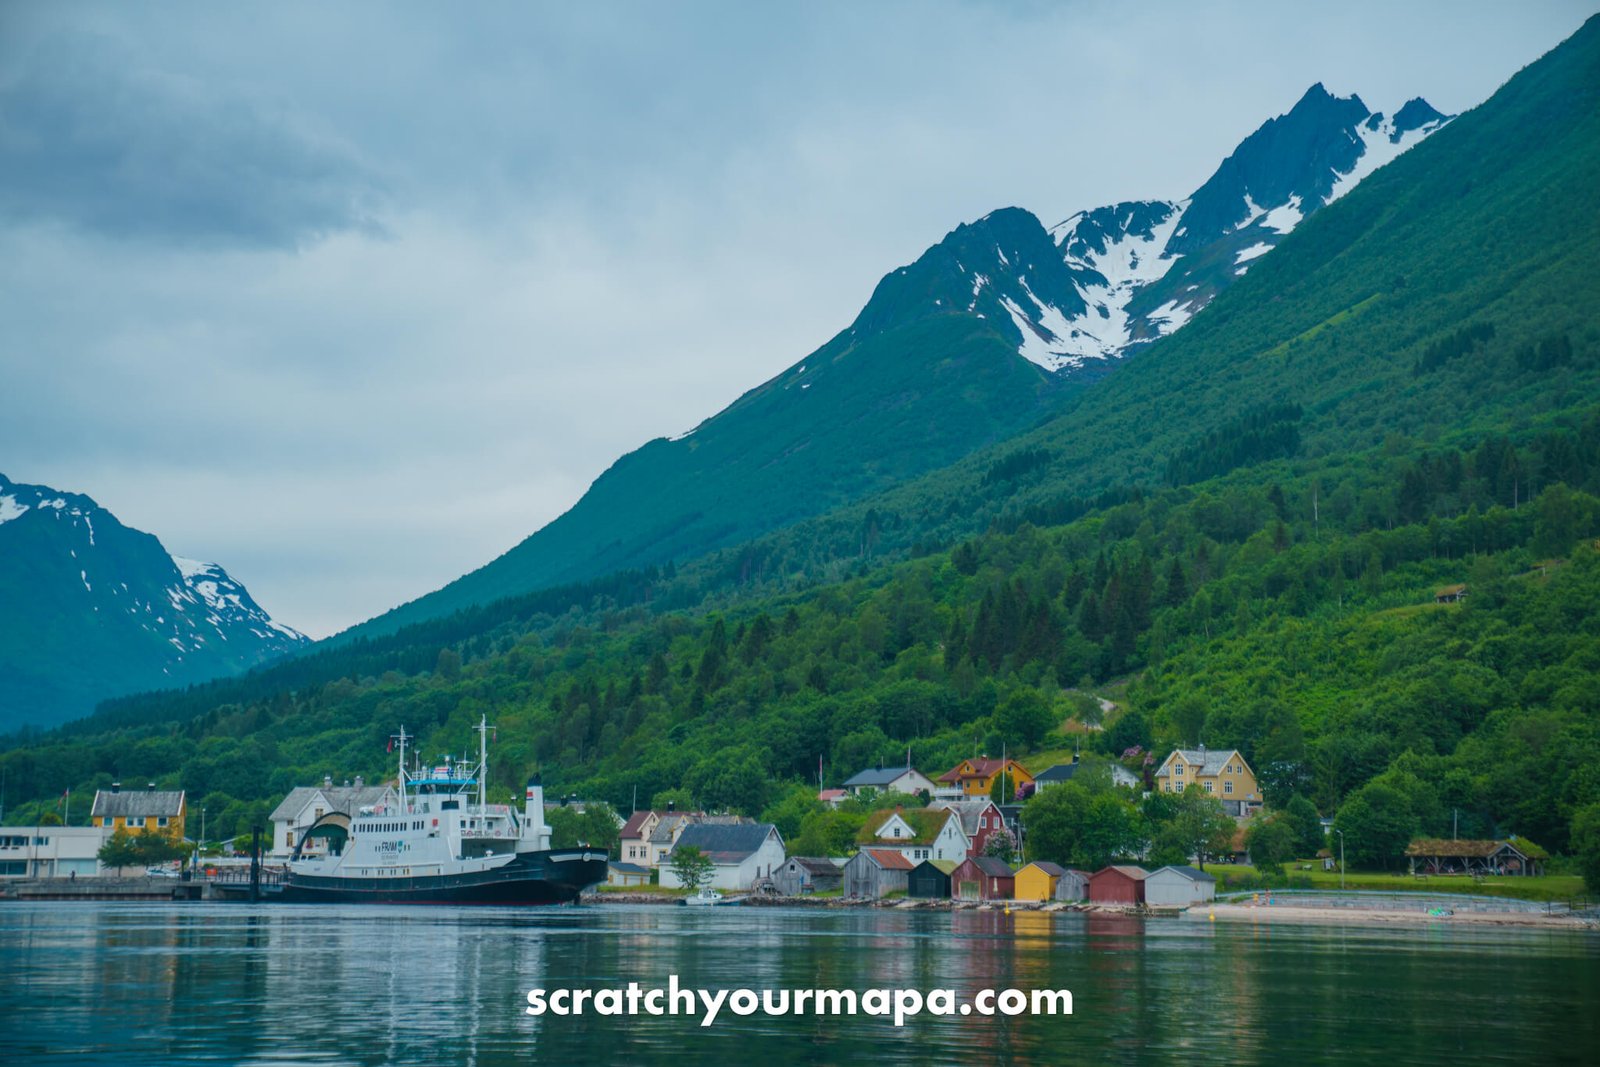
(897, 831)
(1177, 768)
(1227, 787)
(1177, 787)
(162, 821)
(137, 820)
(1208, 788)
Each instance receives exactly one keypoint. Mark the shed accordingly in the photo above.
(626, 874)
(874, 873)
(1450, 594)
(1037, 881)
(983, 878)
(800, 875)
(930, 878)
(1118, 884)
(1179, 886)
(1073, 885)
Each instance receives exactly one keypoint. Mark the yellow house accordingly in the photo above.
(1224, 775)
(1037, 881)
(976, 777)
(137, 812)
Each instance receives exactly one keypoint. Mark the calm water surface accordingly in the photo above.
(278, 984)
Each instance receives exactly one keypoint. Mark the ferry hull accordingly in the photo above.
(533, 878)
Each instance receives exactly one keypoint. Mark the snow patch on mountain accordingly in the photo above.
(1114, 253)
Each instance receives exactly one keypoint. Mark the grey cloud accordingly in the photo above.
(91, 137)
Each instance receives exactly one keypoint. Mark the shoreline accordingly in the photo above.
(1289, 913)
(1369, 916)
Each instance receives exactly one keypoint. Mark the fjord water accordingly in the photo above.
(156, 984)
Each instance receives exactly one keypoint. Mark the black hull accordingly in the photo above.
(536, 878)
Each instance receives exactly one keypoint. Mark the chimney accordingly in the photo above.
(672, 805)
(1075, 757)
(116, 787)
(149, 787)
(360, 782)
(327, 781)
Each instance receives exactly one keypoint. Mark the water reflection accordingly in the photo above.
(154, 984)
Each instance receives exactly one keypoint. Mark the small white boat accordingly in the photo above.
(707, 897)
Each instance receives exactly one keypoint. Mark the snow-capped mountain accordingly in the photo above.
(927, 372)
(90, 609)
(1141, 269)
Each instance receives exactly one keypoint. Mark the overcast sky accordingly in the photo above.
(351, 298)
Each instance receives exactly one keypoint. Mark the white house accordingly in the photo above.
(51, 851)
(918, 834)
(307, 803)
(907, 780)
(740, 853)
(1178, 887)
(1064, 772)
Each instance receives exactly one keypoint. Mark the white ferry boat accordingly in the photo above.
(440, 842)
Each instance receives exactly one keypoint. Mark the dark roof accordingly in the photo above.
(816, 865)
(725, 842)
(1191, 873)
(873, 776)
(1061, 772)
(969, 810)
(147, 803)
(1054, 870)
(628, 868)
(992, 866)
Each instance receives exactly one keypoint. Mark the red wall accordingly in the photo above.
(1114, 887)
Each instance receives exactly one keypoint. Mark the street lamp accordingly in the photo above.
(1341, 859)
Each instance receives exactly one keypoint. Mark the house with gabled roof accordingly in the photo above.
(976, 777)
(1037, 880)
(1223, 774)
(1120, 883)
(306, 805)
(1065, 772)
(983, 878)
(633, 845)
(1179, 885)
(918, 833)
(740, 853)
(139, 811)
(803, 875)
(874, 873)
(981, 819)
(907, 780)
(833, 797)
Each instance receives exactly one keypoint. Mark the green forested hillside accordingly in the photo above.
(1245, 610)
(1242, 531)
(1489, 224)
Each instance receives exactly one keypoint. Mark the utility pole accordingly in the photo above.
(1341, 859)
